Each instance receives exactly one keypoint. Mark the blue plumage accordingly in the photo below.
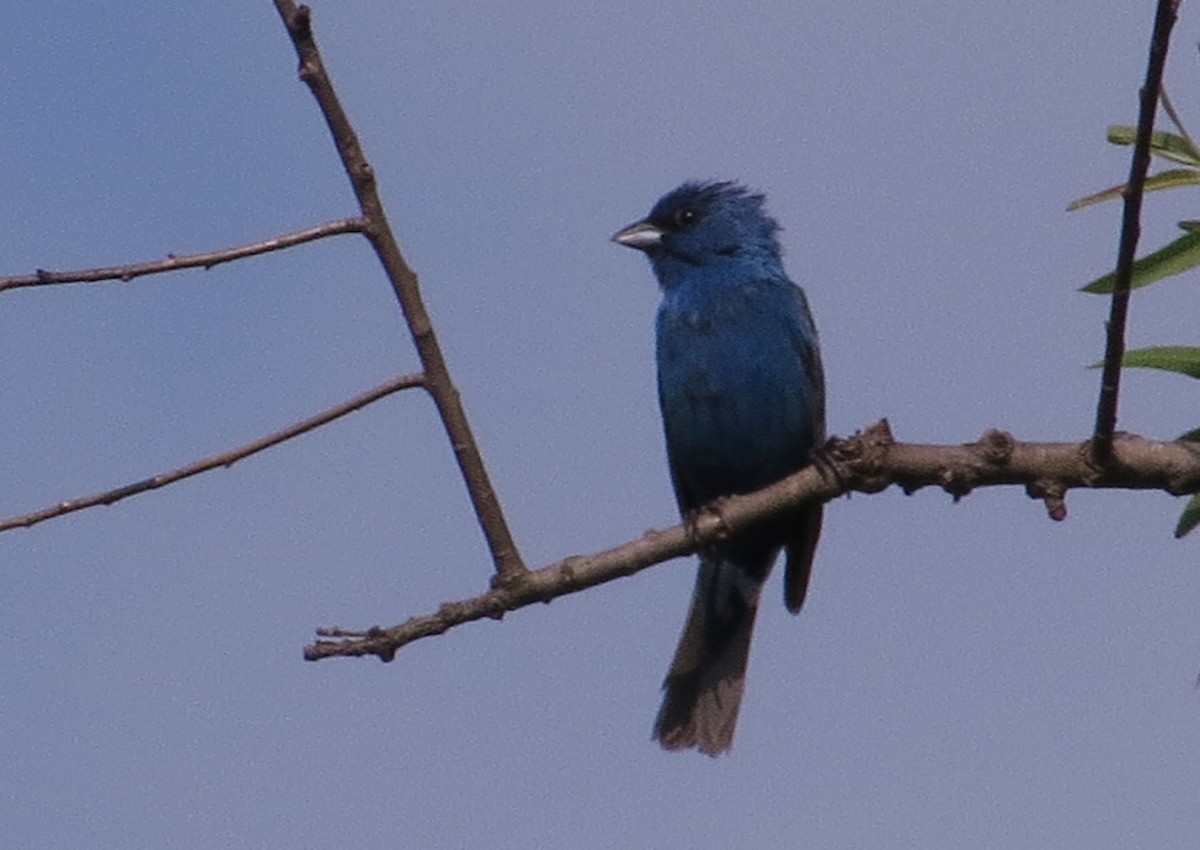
(743, 404)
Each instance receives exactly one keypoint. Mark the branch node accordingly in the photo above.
(506, 583)
(1091, 462)
(996, 447)
(365, 172)
(301, 22)
(1053, 495)
(570, 570)
(879, 435)
(867, 452)
(955, 480)
(707, 525)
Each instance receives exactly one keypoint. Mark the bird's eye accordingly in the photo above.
(686, 217)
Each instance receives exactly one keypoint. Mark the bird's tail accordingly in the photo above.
(708, 674)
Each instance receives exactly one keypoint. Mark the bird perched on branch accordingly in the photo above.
(743, 405)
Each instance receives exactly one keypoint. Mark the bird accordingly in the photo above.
(742, 396)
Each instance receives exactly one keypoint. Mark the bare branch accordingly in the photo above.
(1131, 228)
(868, 462)
(505, 556)
(228, 458)
(187, 261)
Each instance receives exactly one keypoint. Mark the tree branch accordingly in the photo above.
(188, 261)
(228, 458)
(505, 556)
(868, 462)
(1131, 229)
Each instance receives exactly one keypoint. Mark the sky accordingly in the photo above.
(963, 675)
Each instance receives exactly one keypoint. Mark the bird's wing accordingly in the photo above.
(802, 542)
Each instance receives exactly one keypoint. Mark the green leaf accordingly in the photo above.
(1109, 194)
(1190, 517)
(1167, 145)
(1179, 256)
(1184, 359)
(1192, 436)
(1171, 179)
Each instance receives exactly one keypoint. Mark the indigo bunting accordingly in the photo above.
(742, 396)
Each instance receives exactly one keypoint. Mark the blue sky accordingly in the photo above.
(962, 675)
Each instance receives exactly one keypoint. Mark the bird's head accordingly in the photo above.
(704, 225)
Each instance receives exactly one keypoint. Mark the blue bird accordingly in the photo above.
(742, 396)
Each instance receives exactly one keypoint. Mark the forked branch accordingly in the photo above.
(506, 558)
(868, 462)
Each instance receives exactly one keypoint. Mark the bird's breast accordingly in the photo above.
(733, 393)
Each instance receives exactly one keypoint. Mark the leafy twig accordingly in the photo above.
(1110, 381)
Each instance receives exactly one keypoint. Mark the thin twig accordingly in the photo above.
(187, 261)
(227, 458)
(868, 462)
(1131, 228)
(506, 558)
(1169, 108)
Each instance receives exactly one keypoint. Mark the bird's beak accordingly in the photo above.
(641, 235)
